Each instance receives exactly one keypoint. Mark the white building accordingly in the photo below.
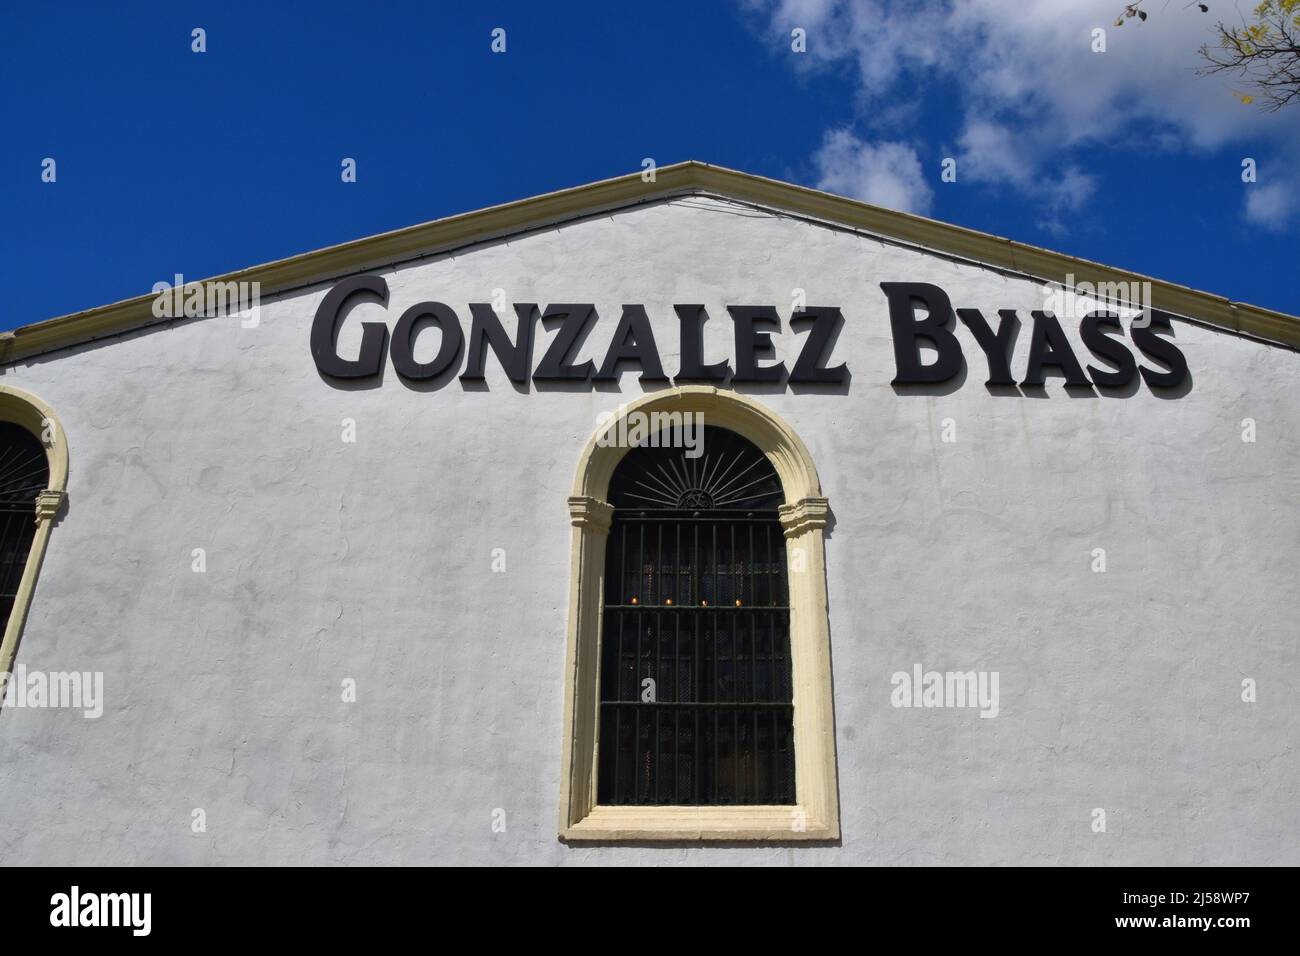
(366, 599)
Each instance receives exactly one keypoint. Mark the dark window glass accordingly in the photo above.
(696, 602)
(24, 473)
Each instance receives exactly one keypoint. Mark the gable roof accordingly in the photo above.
(688, 178)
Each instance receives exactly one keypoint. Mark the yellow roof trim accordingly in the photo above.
(681, 178)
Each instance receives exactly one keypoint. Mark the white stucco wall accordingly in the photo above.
(371, 561)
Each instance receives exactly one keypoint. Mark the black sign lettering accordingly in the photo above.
(921, 316)
(935, 328)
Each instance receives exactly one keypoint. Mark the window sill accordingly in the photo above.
(757, 823)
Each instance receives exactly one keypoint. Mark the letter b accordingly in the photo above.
(935, 328)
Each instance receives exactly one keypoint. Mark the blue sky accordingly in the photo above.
(171, 161)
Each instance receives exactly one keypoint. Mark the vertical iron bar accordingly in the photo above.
(735, 755)
(735, 714)
(677, 576)
(753, 587)
(696, 668)
(12, 543)
(654, 761)
(655, 776)
(753, 697)
(770, 565)
(775, 695)
(717, 790)
(659, 559)
(677, 629)
(636, 713)
(717, 595)
(779, 598)
(677, 691)
(736, 584)
(776, 774)
(642, 582)
(618, 711)
(623, 532)
(714, 773)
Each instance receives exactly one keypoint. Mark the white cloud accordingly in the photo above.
(1033, 96)
(1270, 206)
(886, 173)
(989, 152)
(881, 42)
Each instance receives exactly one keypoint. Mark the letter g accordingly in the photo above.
(325, 330)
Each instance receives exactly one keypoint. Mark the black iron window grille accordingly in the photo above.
(696, 696)
(24, 474)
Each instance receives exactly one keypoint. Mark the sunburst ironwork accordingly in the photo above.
(724, 471)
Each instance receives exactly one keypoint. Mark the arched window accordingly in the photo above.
(33, 476)
(696, 700)
(697, 685)
(24, 474)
